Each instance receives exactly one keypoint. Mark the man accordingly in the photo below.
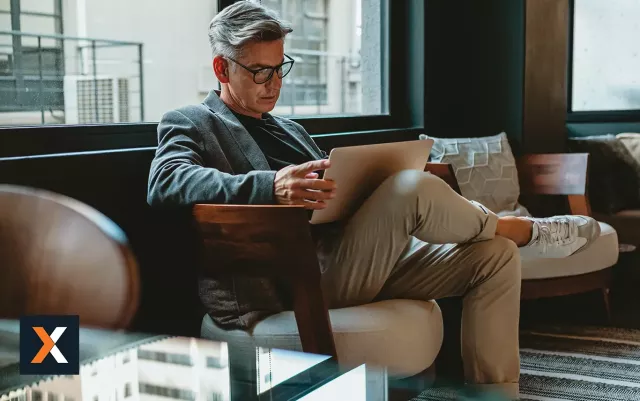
(413, 238)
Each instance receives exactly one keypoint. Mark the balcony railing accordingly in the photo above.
(70, 79)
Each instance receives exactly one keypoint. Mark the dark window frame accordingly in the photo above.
(612, 116)
(398, 124)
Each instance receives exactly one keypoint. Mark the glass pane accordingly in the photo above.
(38, 6)
(274, 366)
(350, 386)
(328, 76)
(606, 55)
(94, 73)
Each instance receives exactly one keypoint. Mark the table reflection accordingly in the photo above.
(176, 368)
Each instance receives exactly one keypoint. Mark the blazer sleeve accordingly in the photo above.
(178, 176)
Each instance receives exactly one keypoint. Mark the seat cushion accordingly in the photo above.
(403, 335)
(602, 253)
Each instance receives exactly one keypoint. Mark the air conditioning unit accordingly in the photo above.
(99, 100)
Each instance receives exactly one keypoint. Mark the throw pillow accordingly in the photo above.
(631, 141)
(485, 169)
(614, 176)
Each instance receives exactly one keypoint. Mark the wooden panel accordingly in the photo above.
(252, 239)
(545, 83)
(553, 174)
(268, 241)
(555, 287)
(579, 205)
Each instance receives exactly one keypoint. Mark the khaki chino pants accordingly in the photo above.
(416, 238)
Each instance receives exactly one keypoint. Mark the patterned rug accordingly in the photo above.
(573, 363)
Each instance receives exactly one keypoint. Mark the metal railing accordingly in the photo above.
(34, 68)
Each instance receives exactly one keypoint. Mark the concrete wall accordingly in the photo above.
(177, 61)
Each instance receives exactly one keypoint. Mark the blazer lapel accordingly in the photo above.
(291, 129)
(238, 132)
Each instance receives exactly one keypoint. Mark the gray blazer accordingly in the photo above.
(205, 155)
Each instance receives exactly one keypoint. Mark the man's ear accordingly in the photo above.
(221, 69)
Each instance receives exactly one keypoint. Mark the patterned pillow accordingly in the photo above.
(485, 169)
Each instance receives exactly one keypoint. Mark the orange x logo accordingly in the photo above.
(49, 344)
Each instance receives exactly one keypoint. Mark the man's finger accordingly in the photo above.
(312, 176)
(308, 167)
(320, 185)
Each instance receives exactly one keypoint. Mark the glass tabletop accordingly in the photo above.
(139, 367)
(116, 366)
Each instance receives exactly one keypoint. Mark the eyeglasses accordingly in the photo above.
(262, 75)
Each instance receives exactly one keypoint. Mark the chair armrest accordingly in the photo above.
(556, 174)
(445, 172)
(269, 241)
(253, 240)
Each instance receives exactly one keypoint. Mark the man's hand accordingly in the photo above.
(299, 185)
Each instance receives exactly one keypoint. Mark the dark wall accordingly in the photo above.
(474, 68)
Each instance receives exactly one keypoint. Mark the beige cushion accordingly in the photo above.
(602, 253)
(403, 335)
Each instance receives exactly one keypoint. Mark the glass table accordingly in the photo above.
(116, 366)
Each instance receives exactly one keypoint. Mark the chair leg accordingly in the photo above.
(607, 303)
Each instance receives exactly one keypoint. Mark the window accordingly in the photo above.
(119, 61)
(36, 395)
(165, 357)
(606, 55)
(127, 390)
(169, 392)
(216, 362)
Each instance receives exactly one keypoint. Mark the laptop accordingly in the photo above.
(359, 170)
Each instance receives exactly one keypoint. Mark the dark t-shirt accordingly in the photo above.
(280, 149)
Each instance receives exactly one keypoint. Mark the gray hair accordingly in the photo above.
(243, 22)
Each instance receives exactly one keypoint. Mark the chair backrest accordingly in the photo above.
(553, 174)
(60, 256)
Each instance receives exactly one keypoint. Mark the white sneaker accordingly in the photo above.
(560, 236)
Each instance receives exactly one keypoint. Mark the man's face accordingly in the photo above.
(256, 98)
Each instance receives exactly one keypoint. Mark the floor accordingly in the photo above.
(588, 309)
(580, 309)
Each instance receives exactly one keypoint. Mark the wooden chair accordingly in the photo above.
(566, 175)
(250, 240)
(60, 256)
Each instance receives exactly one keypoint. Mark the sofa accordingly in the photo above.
(487, 171)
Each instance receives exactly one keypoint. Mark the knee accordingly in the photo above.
(412, 184)
(508, 259)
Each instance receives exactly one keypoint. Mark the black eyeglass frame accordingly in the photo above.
(273, 69)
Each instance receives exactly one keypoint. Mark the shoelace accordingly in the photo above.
(554, 231)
